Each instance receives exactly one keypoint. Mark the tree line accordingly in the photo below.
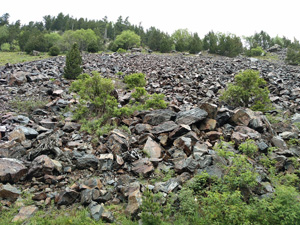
(62, 31)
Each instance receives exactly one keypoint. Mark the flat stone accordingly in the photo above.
(143, 167)
(11, 170)
(25, 212)
(29, 132)
(208, 125)
(9, 192)
(152, 149)
(67, 197)
(252, 134)
(164, 127)
(40, 166)
(241, 117)
(17, 135)
(211, 110)
(191, 116)
(157, 117)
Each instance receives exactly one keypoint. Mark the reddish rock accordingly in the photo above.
(213, 135)
(152, 149)
(143, 167)
(11, 170)
(241, 117)
(25, 213)
(40, 166)
(208, 125)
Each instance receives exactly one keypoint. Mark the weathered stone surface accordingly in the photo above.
(40, 166)
(25, 212)
(17, 135)
(159, 116)
(9, 192)
(241, 117)
(143, 167)
(278, 142)
(134, 202)
(106, 162)
(29, 132)
(185, 144)
(67, 197)
(18, 78)
(191, 116)
(164, 127)
(87, 161)
(211, 110)
(11, 170)
(208, 125)
(252, 134)
(152, 148)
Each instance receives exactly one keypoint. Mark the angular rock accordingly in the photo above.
(241, 117)
(67, 197)
(9, 192)
(191, 116)
(211, 110)
(40, 166)
(29, 132)
(25, 212)
(157, 117)
(164, 127)
(11, 170)
(179, 131)
(106, 162)
(87, 161)
(208, 125)
(278, 142)
(143, 167)
(17, 135)
(185, 144)
(134, 202)
(152, 149)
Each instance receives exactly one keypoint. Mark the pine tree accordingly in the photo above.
(73, 63)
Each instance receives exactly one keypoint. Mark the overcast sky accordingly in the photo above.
(240, 17)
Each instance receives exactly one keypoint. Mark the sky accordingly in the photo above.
(240, 17)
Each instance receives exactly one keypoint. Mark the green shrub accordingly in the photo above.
(93, 47)
(54, 51)
(5, 47)
(121, 50)
(258, 51)
(293, 57)
(248, 147)
(151, 209)
(248, 90)
(156, 101)
(95, 95)
(240, 175)
(139, 93)
(135, 80)
(73, 63)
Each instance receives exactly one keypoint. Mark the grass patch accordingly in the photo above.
(28, 105)
(19, 57)
(269, 57)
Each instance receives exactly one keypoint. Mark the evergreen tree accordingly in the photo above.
(73, 62)
(195, 45)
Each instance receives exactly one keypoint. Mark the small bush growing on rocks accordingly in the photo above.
(248, 90)
(135, 80)
(258, 51)
(248, 147)
(54, 51)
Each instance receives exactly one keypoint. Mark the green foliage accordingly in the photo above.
(240, 174)
(5, 47)
(248, 147)
(121, 50)
(36, 41)
(247, 90)
(156, 101)
(195, 45)
(73, 63)
(126, 40)
(139, 93)
(258, 51)
(83, 38)
(182, 39)
(54, 51)
(135, 80)
(93, 47)
(52, 39)
(228, 45)
(151, 210)
(223, 149)
(261, 39)
(28, 105)
(293, 57)
(95, 91)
